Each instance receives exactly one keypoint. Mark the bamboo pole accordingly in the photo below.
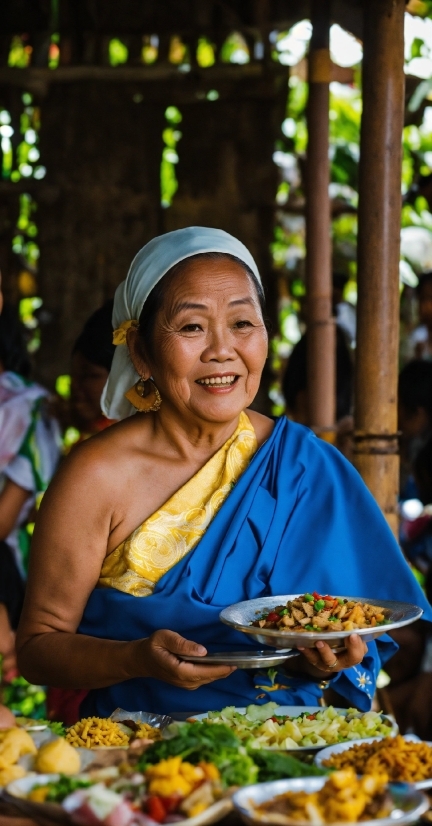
(320, 323)
(376, 441)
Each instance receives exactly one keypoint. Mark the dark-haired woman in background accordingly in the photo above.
(29, 452)
(92, 357)
(294, 388)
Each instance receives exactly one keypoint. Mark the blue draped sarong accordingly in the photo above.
(299, 519)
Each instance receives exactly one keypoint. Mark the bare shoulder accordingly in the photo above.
(110, 448)
(95, 467)
(263, 425)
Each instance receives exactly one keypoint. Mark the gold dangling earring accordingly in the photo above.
(144, 396)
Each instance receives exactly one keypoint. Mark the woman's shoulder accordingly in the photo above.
(263, 425)
(107, 453)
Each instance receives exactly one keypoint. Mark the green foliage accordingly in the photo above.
(63, 386)
(118, 52)
(235, 49)
(54, 51)
(149, 51)
(71, 437)
(24, 698)
(296, 109)
(173, 115)
(205, 53)
(170, 137)
(19, 54)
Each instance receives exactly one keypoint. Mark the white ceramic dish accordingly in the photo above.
(241, 614)
(295, 711)
(409, 803)
(324, 754)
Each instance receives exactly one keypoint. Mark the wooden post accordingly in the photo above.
(376, 442)
(320, 323)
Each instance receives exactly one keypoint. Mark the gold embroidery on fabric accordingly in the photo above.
(170, 533)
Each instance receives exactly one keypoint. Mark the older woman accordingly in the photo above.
(159, 522)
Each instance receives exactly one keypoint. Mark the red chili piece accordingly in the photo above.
(170, 803)
(156, 809)
(273, 617)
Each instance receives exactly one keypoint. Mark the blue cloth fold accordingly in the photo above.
(299, 519)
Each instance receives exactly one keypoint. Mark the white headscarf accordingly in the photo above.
(150, 264)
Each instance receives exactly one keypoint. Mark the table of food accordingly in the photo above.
(259, 764)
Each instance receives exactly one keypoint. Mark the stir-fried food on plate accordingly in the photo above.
(344, 798)
(401, 759)
(313, 612)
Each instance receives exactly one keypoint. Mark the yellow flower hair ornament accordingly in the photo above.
(119, 335)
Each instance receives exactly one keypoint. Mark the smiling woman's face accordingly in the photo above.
(209, 342)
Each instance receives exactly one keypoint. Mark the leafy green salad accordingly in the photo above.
(218, 744)
(265, 727)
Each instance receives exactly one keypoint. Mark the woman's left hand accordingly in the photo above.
(323, 660)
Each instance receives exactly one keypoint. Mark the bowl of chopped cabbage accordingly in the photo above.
(271, 726)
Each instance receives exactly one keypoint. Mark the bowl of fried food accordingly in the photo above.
(293, 620)
(403, 759)
(341, 798)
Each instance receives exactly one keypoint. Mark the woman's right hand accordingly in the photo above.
(161, 654)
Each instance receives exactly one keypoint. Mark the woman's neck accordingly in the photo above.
(182, 435)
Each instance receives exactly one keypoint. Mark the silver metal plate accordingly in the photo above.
(409, 804)
(241, 614)
(244, 659)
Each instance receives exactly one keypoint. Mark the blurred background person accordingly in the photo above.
(411, 668)
(30, 448)
(294, 388)
(414, 420)
(420, 340)
(92, 355)
(416, 523)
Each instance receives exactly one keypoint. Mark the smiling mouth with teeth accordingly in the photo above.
(218, 381)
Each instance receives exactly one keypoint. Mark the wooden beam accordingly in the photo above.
(320, 323)
(125, 74)
(226, 79)
(376, 441)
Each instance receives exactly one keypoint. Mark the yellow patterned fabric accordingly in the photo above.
(168, 535)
